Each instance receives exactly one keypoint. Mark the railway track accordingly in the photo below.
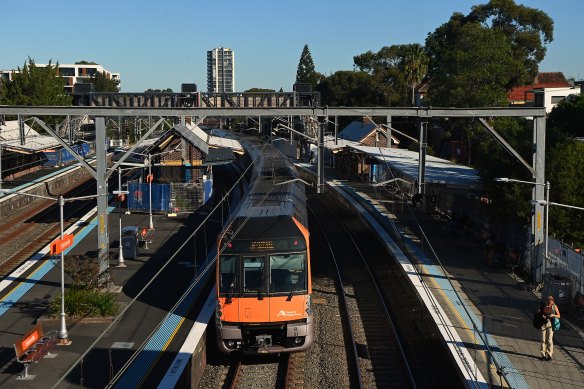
(372, 342)
(281, 371)
(27, 230)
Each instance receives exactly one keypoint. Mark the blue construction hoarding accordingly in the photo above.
(139, 197)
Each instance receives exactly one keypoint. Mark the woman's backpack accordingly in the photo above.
(538, 320)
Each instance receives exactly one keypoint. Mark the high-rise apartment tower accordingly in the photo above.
(221, 70)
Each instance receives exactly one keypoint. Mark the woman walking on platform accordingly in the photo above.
(551, 312)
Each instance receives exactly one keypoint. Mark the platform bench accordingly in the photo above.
(34, 345)
(147, 238)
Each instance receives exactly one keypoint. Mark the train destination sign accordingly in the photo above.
(58, 245)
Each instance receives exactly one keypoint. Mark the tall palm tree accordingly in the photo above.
(415, 66)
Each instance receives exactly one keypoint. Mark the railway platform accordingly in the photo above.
(26, 296)
(483, 307)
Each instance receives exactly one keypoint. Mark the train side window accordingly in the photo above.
(253, 274)
(287, 273)
(228, 272)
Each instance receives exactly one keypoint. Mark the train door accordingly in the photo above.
(229, 287)
(254, 307)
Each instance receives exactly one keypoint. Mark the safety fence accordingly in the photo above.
(564, 260)
(168, 198)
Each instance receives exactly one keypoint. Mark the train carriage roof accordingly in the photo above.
(275, 189)
(265, 228)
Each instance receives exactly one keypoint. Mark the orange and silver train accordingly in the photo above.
(263, 266)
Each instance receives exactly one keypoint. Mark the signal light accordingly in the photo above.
(295, 243)
(229, 245)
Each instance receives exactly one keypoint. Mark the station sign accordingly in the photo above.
(58, 245)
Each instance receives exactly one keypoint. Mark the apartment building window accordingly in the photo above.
(67, 72)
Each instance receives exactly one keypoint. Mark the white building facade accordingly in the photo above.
(221, 70)
(550, 97)
(72, 73)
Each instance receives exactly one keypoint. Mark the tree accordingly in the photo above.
(391, 66)
(473, 67)
(527, 30)
(497, 31)
(415, 66)
(508, 202)
(32, 85)
(102, 83)
(305, 71)
(565, 120)
(352, 89)
(567, 187)
(565, 158)
(167, 90)
(259, 90)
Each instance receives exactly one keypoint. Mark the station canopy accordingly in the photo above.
(438, 170)
(34, 142)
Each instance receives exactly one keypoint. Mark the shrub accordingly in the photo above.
(83, 302)
(83, 270)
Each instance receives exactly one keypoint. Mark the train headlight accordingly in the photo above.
(230, 343)
(299, 341)
(309, 305)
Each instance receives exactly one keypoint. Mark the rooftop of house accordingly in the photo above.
(542, 80)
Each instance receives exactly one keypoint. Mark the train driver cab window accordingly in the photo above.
(228, 274)
(253, 274)
(287, 273)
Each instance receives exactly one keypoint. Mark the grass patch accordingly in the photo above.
(83, 302)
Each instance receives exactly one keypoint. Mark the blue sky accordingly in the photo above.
(161, 44)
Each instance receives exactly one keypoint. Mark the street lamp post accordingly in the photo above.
(151, 224)
(63, 334)
(120, 192)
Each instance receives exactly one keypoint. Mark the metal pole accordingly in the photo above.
(63, 335)
(547, 219)
(121, 256)
(319, 159)
(151, 226)
(0, 159)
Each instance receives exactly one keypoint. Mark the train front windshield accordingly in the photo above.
(272, 274)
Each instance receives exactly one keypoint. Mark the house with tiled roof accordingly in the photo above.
(547, 90)
(367, 133)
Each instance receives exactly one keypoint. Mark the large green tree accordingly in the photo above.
(501, 42)
(306, 71)
(32, 85)
(564, 172)
(475, 68)
(566, 120)
(527, 30)
(102, 83)
(395, 69)
(351, 89)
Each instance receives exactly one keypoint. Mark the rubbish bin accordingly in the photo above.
(559, 286)
(130, 237)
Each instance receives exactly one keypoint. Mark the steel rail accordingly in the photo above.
(343, 300)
